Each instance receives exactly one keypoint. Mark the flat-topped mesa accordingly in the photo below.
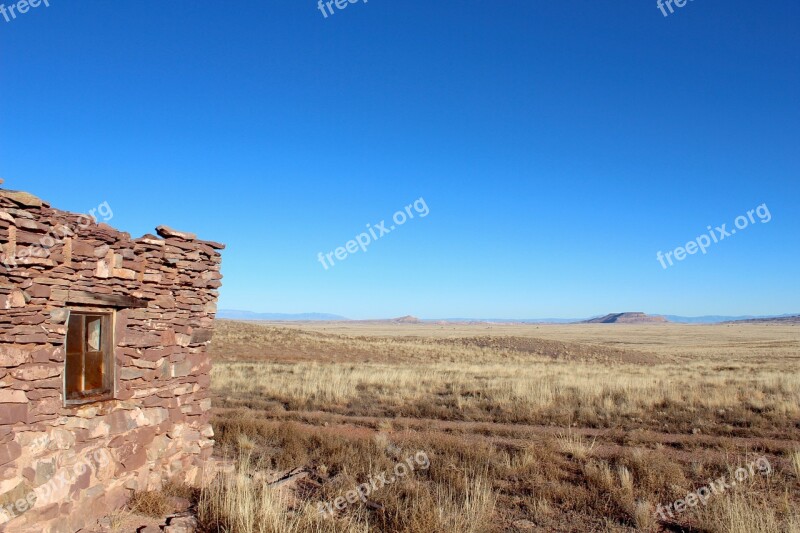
(627, 318)
(103, 362)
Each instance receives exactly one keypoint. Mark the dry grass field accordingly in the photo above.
(526, 427)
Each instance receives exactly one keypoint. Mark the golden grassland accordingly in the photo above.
(528, 427)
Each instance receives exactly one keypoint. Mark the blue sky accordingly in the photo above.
(557, 145)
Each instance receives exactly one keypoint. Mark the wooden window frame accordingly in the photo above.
(108, 344)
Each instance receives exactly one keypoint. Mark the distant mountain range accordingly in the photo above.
(505, 320)
(718, 319)
(288, 317)
(608, 319)
(788, 319)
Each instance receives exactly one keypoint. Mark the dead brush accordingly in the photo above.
(625, 479)
(539, 508)
(154, 504)
(745, 513)
(160, 503)
(245, 442)
(639, 512)
(468, 512)
(599, 473)
(644, 516)
(575, 445)
(236, 502)
(523, 460)
(119, 521)
(794, 458)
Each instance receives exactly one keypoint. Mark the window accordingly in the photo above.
(89, 374)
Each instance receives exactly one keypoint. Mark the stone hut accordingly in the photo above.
(104, 375)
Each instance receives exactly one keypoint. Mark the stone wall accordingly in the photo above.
(62, 466)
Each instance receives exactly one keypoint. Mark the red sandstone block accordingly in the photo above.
(9, 452)
(11, 356)
(38, 338)
(36, 372)
(12, 396)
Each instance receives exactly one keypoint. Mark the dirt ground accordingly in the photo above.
(528, 427)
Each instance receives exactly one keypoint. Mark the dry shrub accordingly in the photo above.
(244, 442)
(630, 510)
(542, 510)
(600, 475)
(625, 480)
(470, 512)
(794, 457)
(746, 513)
(150, 503)
(617, 488)
(468, 508)
(237, 502)
(525, 461)
(575, 445)
(160, 503)
(644, 516)
(119, 521)
(657, 477)
(453, 495)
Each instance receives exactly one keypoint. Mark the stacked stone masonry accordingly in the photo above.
(63, 466)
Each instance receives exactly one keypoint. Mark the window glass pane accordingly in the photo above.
(74, 375)
(75, 334)
(93, 333)
(93, 373)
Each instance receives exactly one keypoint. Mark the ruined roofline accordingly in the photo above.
(28, 201)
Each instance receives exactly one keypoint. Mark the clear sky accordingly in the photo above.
(558, 146)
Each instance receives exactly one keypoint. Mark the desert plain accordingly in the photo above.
(526, 427)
